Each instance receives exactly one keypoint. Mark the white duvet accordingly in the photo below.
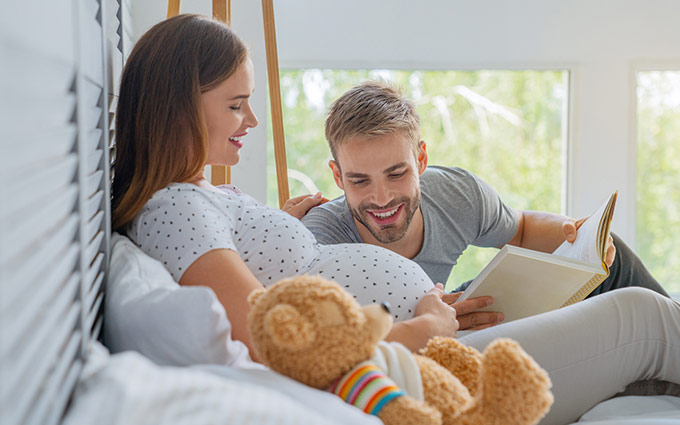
(128, 389)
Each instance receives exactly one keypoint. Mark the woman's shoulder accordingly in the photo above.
(177, 201)
(173, 189)
(183, 194)
(185, 201)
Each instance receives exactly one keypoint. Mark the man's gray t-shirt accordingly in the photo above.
(459, 209)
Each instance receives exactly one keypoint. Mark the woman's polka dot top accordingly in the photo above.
(182, 222)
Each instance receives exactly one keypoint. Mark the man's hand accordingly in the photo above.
(570, 229)
(300, 205)
(468, 316)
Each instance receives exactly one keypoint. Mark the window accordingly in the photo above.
(505, 126)
(658, 175)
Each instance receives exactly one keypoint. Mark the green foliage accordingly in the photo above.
(658, 175)
(505, 126)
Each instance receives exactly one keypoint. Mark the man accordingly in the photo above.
(430, 214)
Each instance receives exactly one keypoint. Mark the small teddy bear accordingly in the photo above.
(313, 331)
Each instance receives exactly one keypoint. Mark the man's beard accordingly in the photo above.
(391, 233)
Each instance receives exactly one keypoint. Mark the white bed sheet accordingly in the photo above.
(635, 410)
(128, 389)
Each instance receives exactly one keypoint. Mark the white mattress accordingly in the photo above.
(635, 410)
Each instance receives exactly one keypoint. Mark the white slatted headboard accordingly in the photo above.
(57, 62)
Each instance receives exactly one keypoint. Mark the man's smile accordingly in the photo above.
(386, 217)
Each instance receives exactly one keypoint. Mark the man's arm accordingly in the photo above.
(542, 231)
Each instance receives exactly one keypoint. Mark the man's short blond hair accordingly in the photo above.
(371, 109)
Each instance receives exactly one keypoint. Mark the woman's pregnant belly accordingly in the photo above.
(373, 275)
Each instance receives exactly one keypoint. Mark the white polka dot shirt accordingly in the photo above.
(182, 222)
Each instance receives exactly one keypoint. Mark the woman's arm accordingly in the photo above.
(227, 275)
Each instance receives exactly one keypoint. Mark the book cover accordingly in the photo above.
(525, 282)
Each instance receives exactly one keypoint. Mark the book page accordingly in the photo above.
(584, 247)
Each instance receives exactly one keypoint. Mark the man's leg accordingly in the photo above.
(627, 270)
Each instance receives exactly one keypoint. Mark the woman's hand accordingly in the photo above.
(300, 205)
(442, 316)
(433, 317)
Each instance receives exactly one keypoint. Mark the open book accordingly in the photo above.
(524, 282)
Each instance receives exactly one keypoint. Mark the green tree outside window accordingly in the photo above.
(658, 175)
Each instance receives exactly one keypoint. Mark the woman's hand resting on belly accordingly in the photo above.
(433, 317)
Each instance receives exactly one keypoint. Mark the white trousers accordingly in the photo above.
(594, 349)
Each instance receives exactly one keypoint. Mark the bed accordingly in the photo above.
(190, 364)
(91, 330)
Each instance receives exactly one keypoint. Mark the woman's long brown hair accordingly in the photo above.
(161, 135)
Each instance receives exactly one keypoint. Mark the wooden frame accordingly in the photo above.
(275, 100)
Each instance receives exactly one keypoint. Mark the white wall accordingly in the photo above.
(601, 42)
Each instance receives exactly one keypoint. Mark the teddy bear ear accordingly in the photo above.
(288, 329)
(330, 313)
(255, 295)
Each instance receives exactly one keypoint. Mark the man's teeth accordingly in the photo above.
(385, 214)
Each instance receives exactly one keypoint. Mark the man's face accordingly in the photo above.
(380, 177)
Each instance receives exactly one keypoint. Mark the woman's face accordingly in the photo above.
(228, 115)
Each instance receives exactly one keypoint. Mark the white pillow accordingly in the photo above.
(147, 311)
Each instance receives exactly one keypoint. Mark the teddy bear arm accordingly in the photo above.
(443, 390)
(406, 410)
(462, 361)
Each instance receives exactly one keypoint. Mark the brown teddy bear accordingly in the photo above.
(313, 331)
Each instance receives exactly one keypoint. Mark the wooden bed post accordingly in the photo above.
(173, 8)
(275, 100)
